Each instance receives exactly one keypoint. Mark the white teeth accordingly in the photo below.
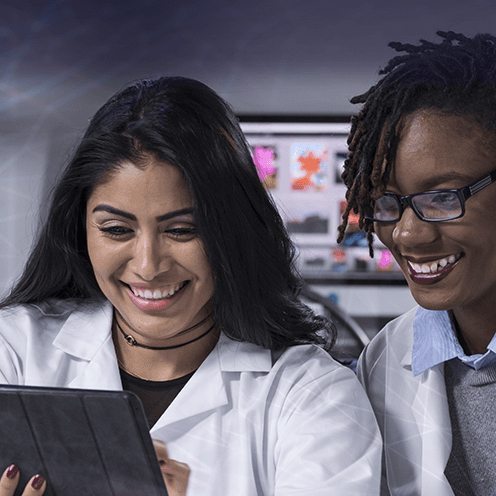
(432, 267)
(156, 294)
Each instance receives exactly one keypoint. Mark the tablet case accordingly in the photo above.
(84, 442)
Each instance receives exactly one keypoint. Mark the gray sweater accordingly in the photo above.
(471, 468)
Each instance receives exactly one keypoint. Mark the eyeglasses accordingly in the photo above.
(432, 206)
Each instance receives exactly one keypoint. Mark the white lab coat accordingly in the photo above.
(245, 426)
(412, 413)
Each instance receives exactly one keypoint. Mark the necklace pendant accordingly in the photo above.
(130, 340)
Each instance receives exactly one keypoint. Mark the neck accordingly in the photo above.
(476, 327)
(165, 364)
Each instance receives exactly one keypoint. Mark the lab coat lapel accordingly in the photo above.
(430, 409)
(102, 372)
(206, 390)
(87, 335)
(203, 392)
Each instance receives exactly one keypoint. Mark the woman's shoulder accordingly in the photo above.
(50, 308)
(305, 366)
(45, 315)
(307, 357)
(294, 365)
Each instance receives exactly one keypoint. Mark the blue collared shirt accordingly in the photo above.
(435, 341)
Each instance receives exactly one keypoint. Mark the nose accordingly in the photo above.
(411, 231)
(150, 257)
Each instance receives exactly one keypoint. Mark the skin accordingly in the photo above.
(176, 474)
(141, 232)
(441, 152)
(8, 485)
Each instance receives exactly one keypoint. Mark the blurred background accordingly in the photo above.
(274, 60)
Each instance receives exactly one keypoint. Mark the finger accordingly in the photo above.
(173, 467)
(175, 474)
(167, 465)
(176, 477)
(160, 450)
(35, 487)
(9, 481)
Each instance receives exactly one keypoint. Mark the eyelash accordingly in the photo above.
(115, 231)
(118, 231)
(182, 231)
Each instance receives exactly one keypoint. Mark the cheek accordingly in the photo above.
(104, 259)
(200, 266)
(384, 233)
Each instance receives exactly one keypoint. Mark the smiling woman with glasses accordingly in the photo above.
(419, 173)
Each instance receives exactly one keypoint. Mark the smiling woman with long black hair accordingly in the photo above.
(164, 268)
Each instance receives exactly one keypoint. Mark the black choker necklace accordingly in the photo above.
(131, 340)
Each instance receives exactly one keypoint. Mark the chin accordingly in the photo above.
(431, 301)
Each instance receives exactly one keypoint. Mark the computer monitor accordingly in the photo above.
(300, 161)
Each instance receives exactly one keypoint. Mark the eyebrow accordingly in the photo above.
(444, 178)
(116, 211)
(433, 183)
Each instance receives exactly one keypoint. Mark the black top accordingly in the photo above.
(156, 396)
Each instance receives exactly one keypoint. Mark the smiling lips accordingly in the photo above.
(154, 299)
(429, 272)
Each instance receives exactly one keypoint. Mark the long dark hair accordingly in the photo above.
(455, 77)
(185, 123)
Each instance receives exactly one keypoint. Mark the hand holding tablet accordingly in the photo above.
(80, 441)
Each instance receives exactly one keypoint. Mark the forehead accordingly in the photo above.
(435, 149)
(152, 185)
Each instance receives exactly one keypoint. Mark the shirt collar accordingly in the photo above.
(435, 342)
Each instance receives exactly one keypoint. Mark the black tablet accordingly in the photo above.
(84, 442)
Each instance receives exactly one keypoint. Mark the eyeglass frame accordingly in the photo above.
(463, 195)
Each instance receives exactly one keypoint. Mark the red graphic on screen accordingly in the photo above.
(310, 164)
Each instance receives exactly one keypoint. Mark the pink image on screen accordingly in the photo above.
(385, 260)
(264, 160)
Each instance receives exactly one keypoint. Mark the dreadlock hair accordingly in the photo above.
(455, 77)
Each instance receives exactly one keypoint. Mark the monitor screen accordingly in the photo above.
(300, 161)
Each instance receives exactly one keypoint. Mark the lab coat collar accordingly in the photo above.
(87, 335)
(208, 383)
(236, 356)
(86, 330)
(89, 327)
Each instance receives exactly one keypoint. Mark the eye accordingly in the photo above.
(444, 198)
(116, 231)
(182, 233)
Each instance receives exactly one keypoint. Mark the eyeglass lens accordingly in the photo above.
(439, 206)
